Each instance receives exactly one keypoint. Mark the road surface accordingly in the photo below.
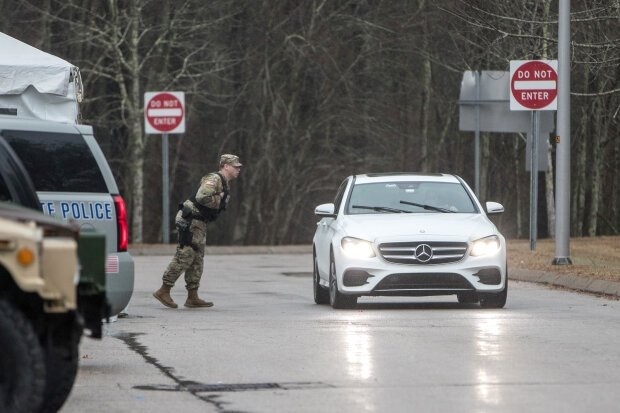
(266, 347)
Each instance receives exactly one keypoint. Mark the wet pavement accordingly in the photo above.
(266, 347)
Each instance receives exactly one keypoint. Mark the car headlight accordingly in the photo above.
(357, 248)
(485, 246)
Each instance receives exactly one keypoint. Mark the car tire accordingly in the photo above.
(468, 297)
(321, 295)
(336, 298)
(61, 362)
(495, 300)
(22, 367)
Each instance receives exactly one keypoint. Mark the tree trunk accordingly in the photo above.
(517, 167)
(580, 181)
(596, 168)
(549, 193)
(134, 119)
(425, 107)
(485, 157)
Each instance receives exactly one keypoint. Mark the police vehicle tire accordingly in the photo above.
(336, 298)
(22, 367)
(61, 361)
(321, 295)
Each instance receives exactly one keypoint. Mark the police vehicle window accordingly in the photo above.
(57, 162)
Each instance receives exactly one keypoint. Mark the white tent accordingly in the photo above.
(35, 84)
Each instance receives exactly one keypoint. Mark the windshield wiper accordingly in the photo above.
(428, 207)
(380, 209)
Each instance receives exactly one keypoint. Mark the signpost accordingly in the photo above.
(164, 113)
(534, 87)
(533, 84)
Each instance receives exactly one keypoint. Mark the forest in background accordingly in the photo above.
(308, 92)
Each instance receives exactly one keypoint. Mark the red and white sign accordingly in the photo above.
(164, 112)
(533, 84)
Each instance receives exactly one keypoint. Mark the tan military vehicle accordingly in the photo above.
(41, 316)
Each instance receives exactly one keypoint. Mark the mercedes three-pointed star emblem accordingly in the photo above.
(423, 253)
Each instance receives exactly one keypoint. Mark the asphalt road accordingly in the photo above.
(266, 347)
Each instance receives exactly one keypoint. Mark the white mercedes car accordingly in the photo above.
(408, 234)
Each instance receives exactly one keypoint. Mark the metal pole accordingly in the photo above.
(562, 173)
(477, 139)
(165, 227)
(534, 181)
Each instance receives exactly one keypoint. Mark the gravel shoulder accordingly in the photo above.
(592, 257)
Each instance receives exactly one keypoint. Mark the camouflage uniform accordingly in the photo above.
(191, 222)
(190, 258)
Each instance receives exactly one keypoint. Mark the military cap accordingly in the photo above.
(230, 160)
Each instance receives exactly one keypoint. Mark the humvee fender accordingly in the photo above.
(39, 326)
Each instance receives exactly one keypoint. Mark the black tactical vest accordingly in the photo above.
(210, 214)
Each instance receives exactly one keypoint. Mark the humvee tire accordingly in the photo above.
(22, 366)
(61, 356)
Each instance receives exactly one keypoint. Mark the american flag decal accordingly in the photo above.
(112, 266)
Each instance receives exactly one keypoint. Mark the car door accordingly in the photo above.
(325, 232)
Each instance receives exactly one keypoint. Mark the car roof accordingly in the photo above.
(405, 176)
(15, 123)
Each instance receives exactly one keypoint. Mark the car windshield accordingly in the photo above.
(409, 197)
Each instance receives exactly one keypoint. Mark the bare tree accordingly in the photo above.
(308, 92)
(525, 29)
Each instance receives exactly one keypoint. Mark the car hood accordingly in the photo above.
(422, 226)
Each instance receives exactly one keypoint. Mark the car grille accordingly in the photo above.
(422, 253)
(433, 281)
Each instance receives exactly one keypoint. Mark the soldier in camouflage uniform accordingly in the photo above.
(191, 222)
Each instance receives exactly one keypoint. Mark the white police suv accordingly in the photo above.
(74, 182)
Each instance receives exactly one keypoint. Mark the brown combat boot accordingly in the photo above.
(194, 302)
(163, 295)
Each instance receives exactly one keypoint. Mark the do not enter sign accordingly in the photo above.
(533, 84)
(164, 112)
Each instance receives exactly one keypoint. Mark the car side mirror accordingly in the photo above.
(325, 210)
(494, 208)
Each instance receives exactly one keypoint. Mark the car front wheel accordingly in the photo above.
(336, 298)
(321, 295)
(496, 300)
